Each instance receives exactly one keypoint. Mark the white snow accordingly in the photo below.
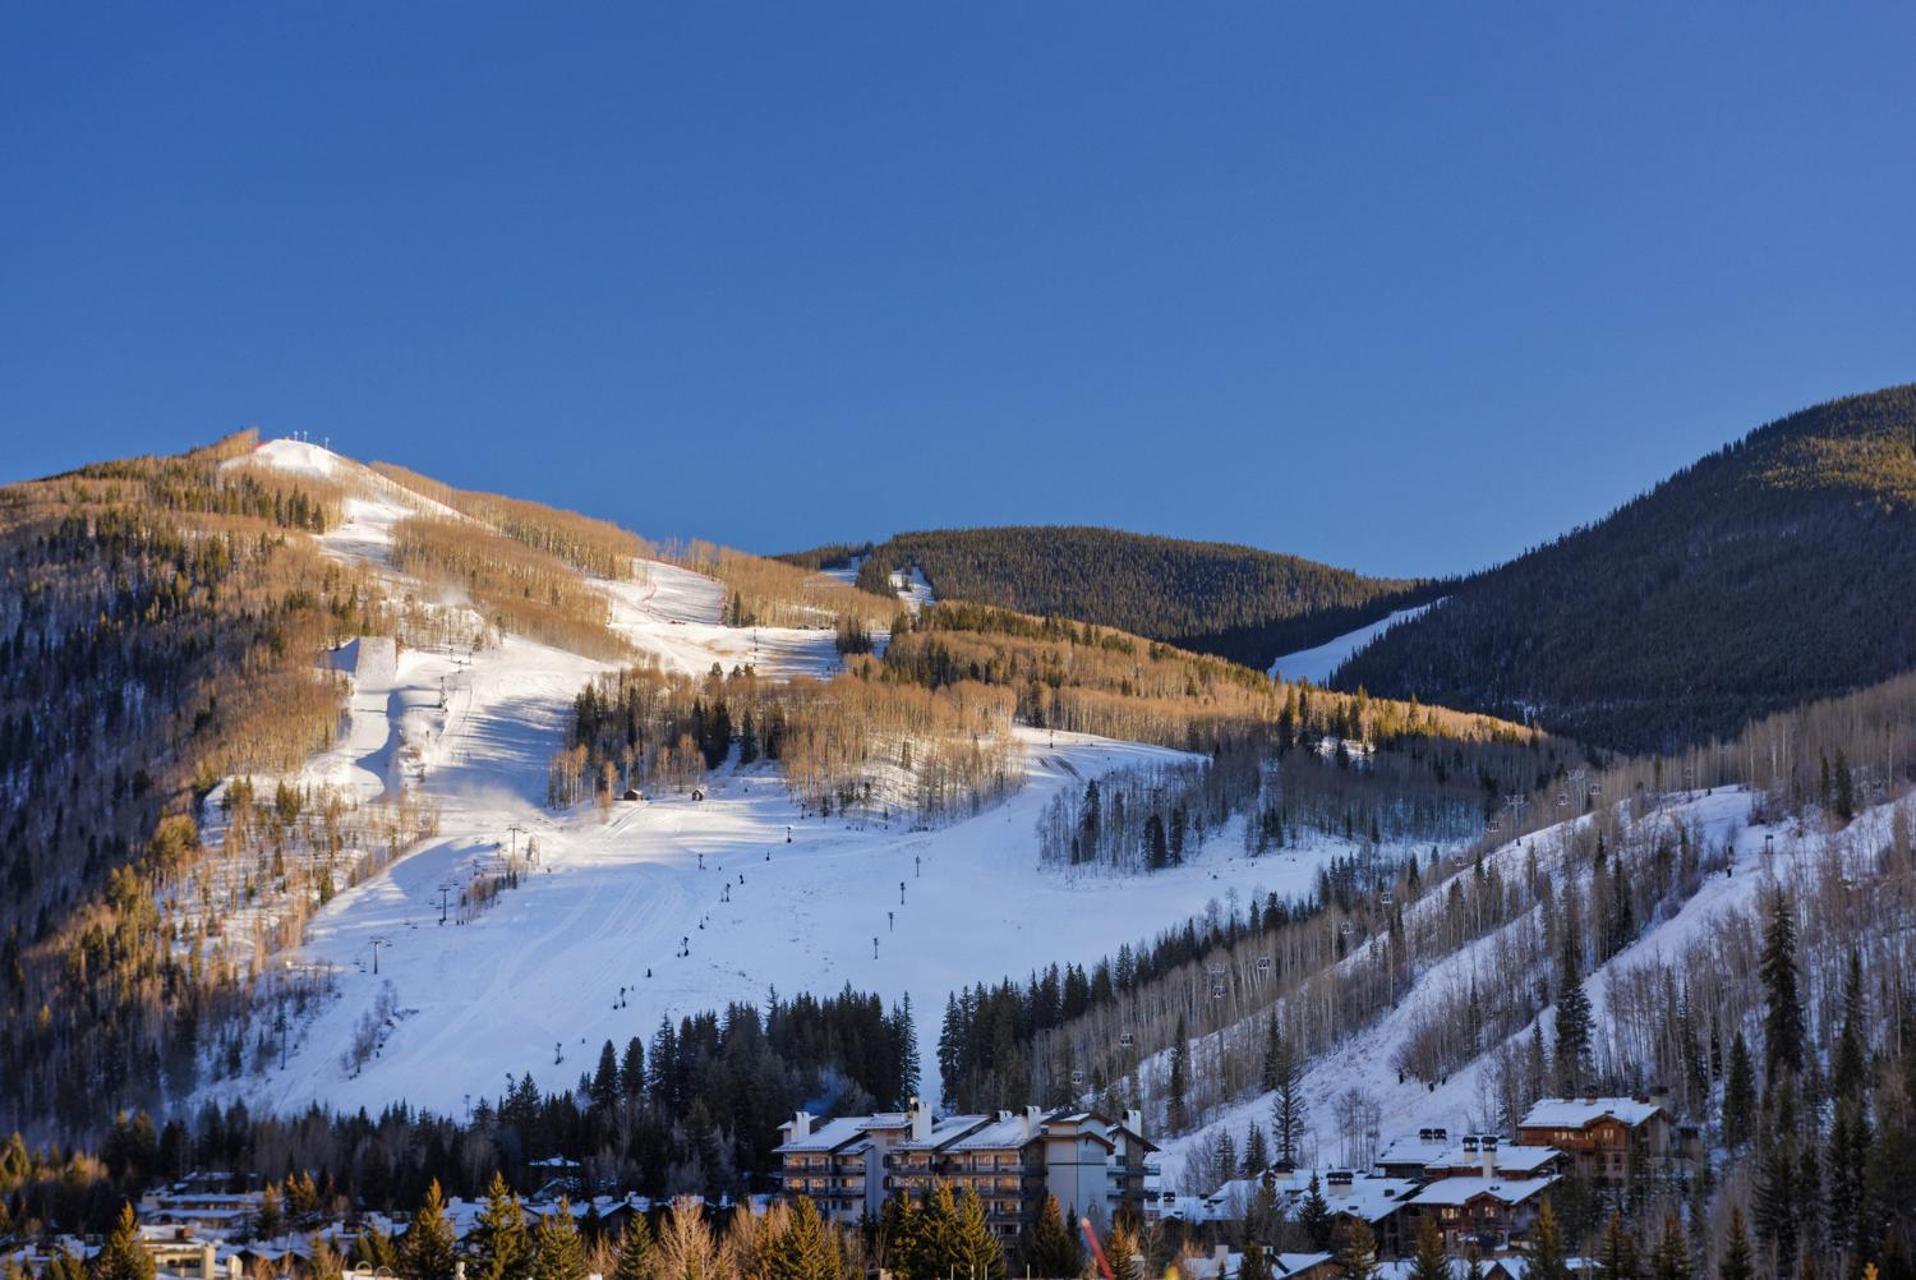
(1317, 665)
(541, 973)
(539, 976)
(909, 585)
(299, 456)
(1462, 1102)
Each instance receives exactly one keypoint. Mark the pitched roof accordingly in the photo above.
(1575, 1113)
(1459, 1191)
(1504, 1158)
(830, 1135)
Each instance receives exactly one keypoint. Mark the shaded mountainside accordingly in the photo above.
(1236, 602)
(159, 618)
(1781, 568)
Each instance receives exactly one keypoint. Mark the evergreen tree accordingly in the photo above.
(606, 1082)
(1264, 1216)
(1255, 1265)
(806, 1249)
(1739, 1096)
(1357, 1251)
(1736, 1263)
(1776, 1202)
(123, 1257)
(374, 1248)
(1671, 1260)
(502, 1247)
(637, 1258)
(1256, 1158)
(1547, 1260)
(1429, 1262)
(632, 1068)
(557, 1251)
(1783, 1021)
(898, 1236)
(1847, 1067)
(1573, 1018)
(1053, 1250)
(979, 1256)
(427, 1251)
(1314, 1215)
(1284, 1073)
(1618, 1257)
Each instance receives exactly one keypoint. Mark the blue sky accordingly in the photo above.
(1407, 288)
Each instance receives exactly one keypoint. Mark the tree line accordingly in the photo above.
(1233, 601)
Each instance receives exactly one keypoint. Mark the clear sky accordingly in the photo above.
(1403, 287)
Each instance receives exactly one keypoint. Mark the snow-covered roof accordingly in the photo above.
(1006, 1131)
(1459, 1191)
(943, 1131)
(1289, 1264)
(1368, 1196)
(1407, 1150)
(1505, 1158)
(830, 1135)
(1576, 1113)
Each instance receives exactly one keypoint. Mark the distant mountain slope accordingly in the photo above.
(1779, 569)
(1233, 601)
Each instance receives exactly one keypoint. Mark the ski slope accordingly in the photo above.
(1317, 665)
(1464, 1102)
(755, 895)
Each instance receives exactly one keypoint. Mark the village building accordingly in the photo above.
(1601, 1137)
(849, 1166)
(1407, 1157)
(1485, 1214)
(1486, 1155)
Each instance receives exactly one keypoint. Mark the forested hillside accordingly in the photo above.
(158, 626)
(1777, 570)
(1237, 602)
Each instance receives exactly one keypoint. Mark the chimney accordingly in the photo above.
(208, 1262)
(234, 1271)
(920, 1121)
(1490, 1159)
(1134, 1121)
(459, 1269)
(1223, 1256)
(801, 1126)
(1034, 1119)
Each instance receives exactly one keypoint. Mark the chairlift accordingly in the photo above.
(1219, 987)
(1077, 1077)
(1126, 1040)
(1263, 964)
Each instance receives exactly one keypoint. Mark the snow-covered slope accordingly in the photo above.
(1464, 1102)
(759, 896)
(1316, 665)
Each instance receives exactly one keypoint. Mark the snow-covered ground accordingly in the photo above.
(1463, 1102)
(560, 965)
(909, 585)
(674, 613)
(1316, 665)
(760, 896)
